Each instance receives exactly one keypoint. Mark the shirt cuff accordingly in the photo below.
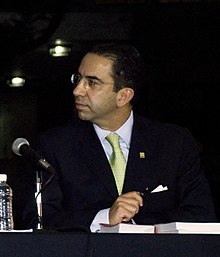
(101, 217)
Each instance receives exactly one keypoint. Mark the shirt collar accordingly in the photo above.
(124, 131)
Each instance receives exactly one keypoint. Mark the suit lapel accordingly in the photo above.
(96, 159)
(139, 166)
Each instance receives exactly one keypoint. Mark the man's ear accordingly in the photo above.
(124, 96)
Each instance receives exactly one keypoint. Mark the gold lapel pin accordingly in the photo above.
(142, 155)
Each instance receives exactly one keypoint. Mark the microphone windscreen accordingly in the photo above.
(17, 145)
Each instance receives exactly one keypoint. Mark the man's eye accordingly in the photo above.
(92, 82)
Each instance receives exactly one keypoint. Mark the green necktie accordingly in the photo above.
(117, 161)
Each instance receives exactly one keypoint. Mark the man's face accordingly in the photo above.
(95, 100)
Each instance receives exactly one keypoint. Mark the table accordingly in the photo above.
(77, 244)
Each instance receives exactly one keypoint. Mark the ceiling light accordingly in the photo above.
(16, 82)
(60, 48)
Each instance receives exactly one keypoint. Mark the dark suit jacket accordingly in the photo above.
(84, 183)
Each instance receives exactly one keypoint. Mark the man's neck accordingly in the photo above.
(116, 123)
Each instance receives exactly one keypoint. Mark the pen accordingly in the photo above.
(142, 193)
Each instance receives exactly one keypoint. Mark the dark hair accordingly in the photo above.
(128, 69)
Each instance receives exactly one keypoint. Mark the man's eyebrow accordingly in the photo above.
(94, 78)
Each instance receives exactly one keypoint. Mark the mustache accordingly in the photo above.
(78, 100)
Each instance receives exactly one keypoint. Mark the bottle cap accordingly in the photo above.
(3, 177)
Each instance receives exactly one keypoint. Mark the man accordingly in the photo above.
(160, 158)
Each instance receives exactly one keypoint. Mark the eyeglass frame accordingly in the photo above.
(91, 81)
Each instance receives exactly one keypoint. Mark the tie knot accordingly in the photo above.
(113, 139)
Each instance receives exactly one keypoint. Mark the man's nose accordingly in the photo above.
(79, 89)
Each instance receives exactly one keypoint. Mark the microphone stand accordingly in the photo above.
(38, 197)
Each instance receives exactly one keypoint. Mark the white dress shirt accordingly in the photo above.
(124, 140)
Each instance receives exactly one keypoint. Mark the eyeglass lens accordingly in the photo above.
(75, 78)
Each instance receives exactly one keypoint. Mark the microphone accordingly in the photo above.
(22, 147)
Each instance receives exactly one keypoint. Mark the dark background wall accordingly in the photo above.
(180, 43)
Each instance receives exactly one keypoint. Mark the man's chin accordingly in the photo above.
(83, 116)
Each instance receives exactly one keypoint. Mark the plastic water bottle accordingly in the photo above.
(6, 214)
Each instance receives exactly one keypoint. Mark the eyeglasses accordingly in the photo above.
(75, 79)
(90, 81)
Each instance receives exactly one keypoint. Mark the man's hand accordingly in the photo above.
(125, 207)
